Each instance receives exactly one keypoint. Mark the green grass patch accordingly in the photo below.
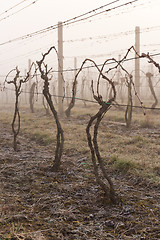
(122, 165)
(42, 138)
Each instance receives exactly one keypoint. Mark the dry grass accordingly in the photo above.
(139, 145)
(40, 204)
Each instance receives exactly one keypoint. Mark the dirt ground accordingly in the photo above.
(36, 203)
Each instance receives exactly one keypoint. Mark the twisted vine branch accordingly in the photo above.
(98, 165)
(60, 136)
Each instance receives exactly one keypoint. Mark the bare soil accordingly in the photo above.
(36, 203)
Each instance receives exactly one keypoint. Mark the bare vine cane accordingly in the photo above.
(129, 82)
(144, 55)
(150, 60)
(148, 75)
(74, 87)
(43, 68)
(17, 82)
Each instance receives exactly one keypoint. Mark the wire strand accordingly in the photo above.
(91, 66)
(18, 10)
(87, 100)
(69, 21)
(12, 7)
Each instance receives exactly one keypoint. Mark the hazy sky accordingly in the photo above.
(108, 33)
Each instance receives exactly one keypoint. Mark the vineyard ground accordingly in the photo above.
(36, 203)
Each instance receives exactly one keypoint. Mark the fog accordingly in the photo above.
(99, 37)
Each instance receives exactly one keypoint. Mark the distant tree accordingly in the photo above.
(67, 92)
(129, 108)
(31, 97)
(72, 103)
(46, 106)
(54, 95)
(82, 90)
(149, 78)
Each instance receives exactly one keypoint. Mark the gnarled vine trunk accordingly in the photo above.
(98, 164)
(60, 136)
